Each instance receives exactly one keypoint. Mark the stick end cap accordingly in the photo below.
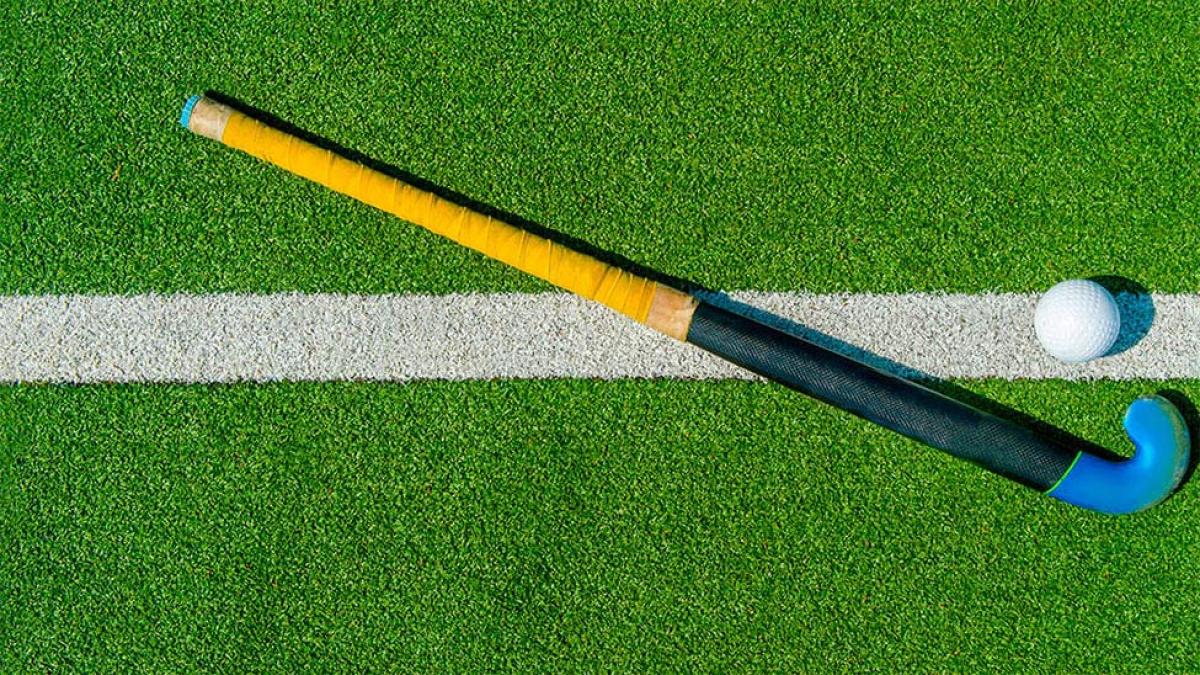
(186, 115)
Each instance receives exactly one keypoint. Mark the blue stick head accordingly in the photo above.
(1160, 460)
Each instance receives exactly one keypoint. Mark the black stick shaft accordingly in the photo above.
(907, 407)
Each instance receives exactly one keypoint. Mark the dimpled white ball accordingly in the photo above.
(1077, 321)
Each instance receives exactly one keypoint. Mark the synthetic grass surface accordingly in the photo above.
(942, 146)
(542, 525)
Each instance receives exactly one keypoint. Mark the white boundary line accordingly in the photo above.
(237, 337)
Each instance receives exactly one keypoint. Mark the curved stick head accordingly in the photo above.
(1159, 462)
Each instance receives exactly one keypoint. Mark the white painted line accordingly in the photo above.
(234, 337)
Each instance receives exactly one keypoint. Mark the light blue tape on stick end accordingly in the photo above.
(187, 111)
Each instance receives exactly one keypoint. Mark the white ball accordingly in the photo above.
(1077, 321)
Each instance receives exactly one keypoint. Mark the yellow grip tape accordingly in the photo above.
(577, 272)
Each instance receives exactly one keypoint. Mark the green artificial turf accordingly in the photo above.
(880, 147)
(957, 146)
(546, 525)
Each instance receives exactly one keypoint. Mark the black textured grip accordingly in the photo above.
(907, 407)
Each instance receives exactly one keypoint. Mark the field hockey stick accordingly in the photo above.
(1034, 459)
